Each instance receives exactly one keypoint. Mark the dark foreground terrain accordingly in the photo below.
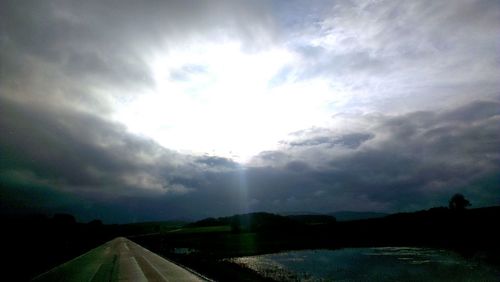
(205, 245)
(32, 245)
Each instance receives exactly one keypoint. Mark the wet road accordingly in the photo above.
(119, 260)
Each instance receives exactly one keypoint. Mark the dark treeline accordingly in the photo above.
(465, 230)
(470, 232)
(252, 222)
(35, 243)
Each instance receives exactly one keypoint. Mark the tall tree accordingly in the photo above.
(458, 202)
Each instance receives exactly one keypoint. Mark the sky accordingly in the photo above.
(153, 110)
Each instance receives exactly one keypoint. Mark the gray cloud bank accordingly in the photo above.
(76, 162)
(431, 67)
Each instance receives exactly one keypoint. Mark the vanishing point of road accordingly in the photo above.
(119, 260)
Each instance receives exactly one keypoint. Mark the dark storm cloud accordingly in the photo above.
(55, 33)
(412, 161)
(65, 64)
(217, 162)
(58, 149)
(76, 162)
(74, 46)
(75, 149)
(56, 29)
(351, 140)
(54, 160)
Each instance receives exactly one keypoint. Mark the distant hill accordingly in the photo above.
(353, 215)
(299, 213)
(311, 219)
(141, 228)
(339, 215)
(259, 221)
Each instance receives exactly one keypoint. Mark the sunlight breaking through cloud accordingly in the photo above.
(219, 99)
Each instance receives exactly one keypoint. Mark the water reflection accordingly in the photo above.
(370, 264)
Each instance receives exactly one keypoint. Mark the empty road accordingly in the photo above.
(119, 260)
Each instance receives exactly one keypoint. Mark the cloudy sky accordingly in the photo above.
(130, 111)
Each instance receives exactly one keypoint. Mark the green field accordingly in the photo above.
(205, 229)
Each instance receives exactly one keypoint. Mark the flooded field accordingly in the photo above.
(369, 264)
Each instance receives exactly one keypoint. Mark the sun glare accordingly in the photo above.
(220, 100)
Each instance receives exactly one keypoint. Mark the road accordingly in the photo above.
(119, 260)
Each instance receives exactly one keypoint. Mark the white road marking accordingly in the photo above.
(95, 272)
(139, 275)
(156, 269)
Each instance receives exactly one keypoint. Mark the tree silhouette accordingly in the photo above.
(458, 202)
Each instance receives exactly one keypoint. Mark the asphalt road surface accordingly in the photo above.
(119, 260)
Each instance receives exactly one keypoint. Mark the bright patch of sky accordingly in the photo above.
(219, 99)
